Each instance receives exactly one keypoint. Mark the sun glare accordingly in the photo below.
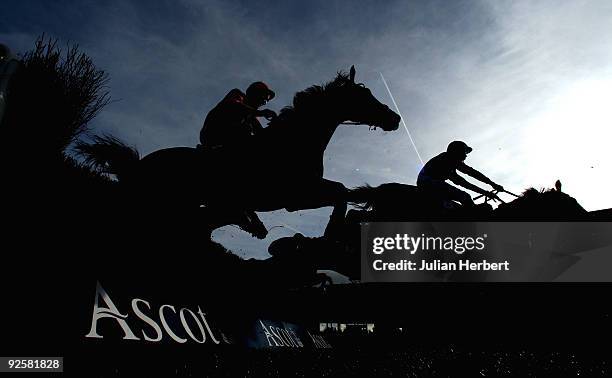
(570, 140)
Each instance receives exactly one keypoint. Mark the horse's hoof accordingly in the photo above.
(260, 235)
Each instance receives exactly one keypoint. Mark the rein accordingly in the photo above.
(359, 123)
(487, 198)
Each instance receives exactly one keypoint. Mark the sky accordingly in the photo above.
(526, 84)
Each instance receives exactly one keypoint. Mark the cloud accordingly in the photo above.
(507, 77)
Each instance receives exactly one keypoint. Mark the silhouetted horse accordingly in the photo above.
(394, 202)
(402, 202)
(281, 168)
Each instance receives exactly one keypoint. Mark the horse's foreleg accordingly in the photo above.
(253, 225)
(335, 226)
(316, 194)
(324, 193)
(247, 220)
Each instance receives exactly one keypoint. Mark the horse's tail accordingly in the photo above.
(109, 155)
(362, 197)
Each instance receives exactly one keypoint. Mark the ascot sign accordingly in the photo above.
(138, 305)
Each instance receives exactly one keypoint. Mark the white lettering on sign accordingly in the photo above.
(105, 308)
(281, 337)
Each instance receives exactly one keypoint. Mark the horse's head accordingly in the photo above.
(551, 204)
(360, 106)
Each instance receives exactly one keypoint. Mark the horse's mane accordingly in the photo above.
(549, 201)
(305, 100)
(534, 194)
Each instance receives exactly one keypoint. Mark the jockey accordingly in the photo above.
(234, 119)
(437, 170)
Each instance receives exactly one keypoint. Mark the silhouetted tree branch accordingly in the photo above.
(52, 98)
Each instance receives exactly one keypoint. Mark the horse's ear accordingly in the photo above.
(558, 185)
(352, 74)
